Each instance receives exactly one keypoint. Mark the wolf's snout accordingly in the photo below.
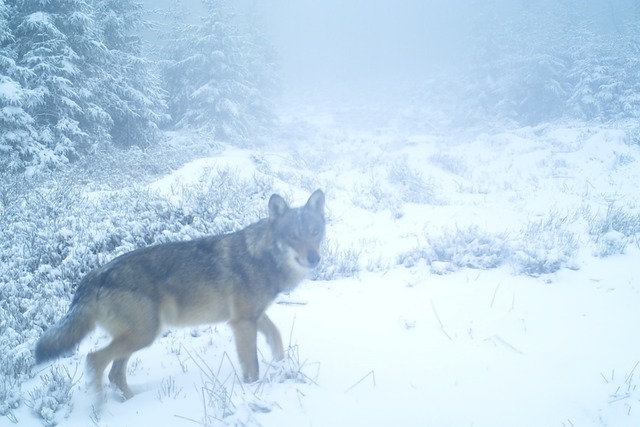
(313, 258)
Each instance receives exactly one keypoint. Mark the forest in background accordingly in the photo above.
(74, 76)
(77, 75)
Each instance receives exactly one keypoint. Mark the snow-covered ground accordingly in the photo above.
(542, 332)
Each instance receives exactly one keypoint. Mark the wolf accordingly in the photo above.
(231, 277)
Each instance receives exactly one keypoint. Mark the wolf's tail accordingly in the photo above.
(61, 338)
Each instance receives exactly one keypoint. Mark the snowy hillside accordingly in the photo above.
(468, 279)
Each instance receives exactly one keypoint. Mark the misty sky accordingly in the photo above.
(359, 42)
(328, 41)
(354, 40)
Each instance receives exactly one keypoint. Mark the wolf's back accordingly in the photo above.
(61, 338)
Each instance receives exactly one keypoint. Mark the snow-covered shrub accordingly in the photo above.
(632, 136)
(469, 247)
(114, 168)
(291, 368)
(35, 222)
(612, 232)
(610, 243)
(411, 185)
(54, 394)
(222, 201)
(376, 195)
(459, 248)
(453, 164)
(337, 262)
(546, 246)
(10, 398)
(390, 183)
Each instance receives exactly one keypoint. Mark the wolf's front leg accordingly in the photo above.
(271, 333)
(245, 333)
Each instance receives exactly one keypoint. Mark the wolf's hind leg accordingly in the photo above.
(118, 351)
(118, 376)
(271, 333)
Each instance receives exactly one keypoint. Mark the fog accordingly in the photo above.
(334, 41)
(518, 59)
(359, 41)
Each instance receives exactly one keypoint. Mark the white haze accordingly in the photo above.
(336, 42)
(331, 46)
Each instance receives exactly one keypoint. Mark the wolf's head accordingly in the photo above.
(298, 231)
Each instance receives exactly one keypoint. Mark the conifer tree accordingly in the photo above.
(72, 77)
(132, 94)
(53, 43)
(219, 75)
(17, 136)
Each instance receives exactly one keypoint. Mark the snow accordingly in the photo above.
(234, 160)
(10, 91)
(421, 343)
(39, 18)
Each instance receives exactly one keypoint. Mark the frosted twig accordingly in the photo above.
(496, 338)
(630, 376)
(191, 419)
(293, 323)
(619, 398)
(494, 296)
(439, 321)
(370, 373)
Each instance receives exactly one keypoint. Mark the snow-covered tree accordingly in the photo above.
(17, 136)
(606, 75)
(219, 74)
(131, 90)
(73, 77)
(57, 43)
(556, 60)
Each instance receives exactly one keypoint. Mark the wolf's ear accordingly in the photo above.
(277, 207)
(316, 202)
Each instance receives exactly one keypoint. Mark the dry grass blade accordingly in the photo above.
(371, 374)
